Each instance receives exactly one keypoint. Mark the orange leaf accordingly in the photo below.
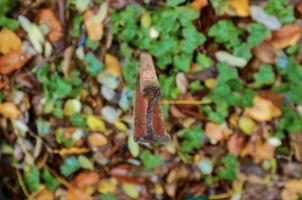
(292, 189)
(286, 36)
(216, 132)
(44, 195)
(77, 194)
(9, 110)
(199, 4)
(93, 27)
(12, 61)
(46, 16)
(85, 179)
(236, 144)
(9, 41)
(299, 7)
(241, 7)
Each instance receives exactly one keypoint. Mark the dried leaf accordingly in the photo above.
(131, 190)
(95, 124)
(46, 16)
(215, 132)
(113, 65)
(241, 7)
(12, 61)
(107, 186)
(85, 179)
(236, 144)
(286, 36)
(9, 41)
(97, 140)
(292, 190)
(9, 110)
(44, 195)
(265, 53)
(199, 4)
(77, 194)
(94, 27)
(262, 110)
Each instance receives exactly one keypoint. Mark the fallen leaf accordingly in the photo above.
(215, 132)
(299, 7)
(46, 16)
(262, 110)
(247, 125)
(107, 186)
(85, 179)
(77, 194)
(9, 41)
(131, 190)
(181, 82)
(44, 195)
(97, 140)
(241, 7)
(236, 144)
(199, 4)
(94, 28)
(113, 65)
(9, 110)
(95, 124)
(292, 189)
(12, 61)
(259, 150)
(266, 53)
(286, 36)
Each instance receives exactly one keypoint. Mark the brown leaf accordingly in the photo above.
(199, 4)
(299, 7)
(85, 179)
(262, 110)
(236, 144)
(12, 61)
(66, 65)
(286, 36)
(46, 16)
(97, 140)
(93, 27)
(9, 41)
(44, 195)
(292, 189)
(265, 53)
(9, 110)
(216, 132)
(77, 194)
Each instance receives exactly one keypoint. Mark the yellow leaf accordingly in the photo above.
(9, 110)
(94, 27)
(73, 150)
(95, 124)
(9, 41)
(113, 65)
(292, 189)
(241, 7)
(262, 110)
(107, 186)
(120, 126)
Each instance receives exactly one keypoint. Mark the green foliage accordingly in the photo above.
(9, 23)
(50, 181)
(225, 32)
(257, 33)
(76, 23)
(32, 179)
(2, 97)
(265, 76)
(290, 121)
(42, 126)
(230, 169)
(107, 196)
(93, 65)
(281, 9)
(70, 165)
(78, 120)
(191, 139)
(149, 160)
(203, 62)
(174, 2)
(7, 6)
(168, 86)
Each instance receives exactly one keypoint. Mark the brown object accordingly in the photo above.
(286, 36)
(148, 120)
(12, 61)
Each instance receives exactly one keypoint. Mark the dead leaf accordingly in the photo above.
(299, 7)
(199, 4)
(66, 65)
(44, 195)
(93, 27)
(259, 150)
(216, 132)
(77, 194)
(9, 41)
(2, 82)
(113, 65)
(236, 144)
(181, 82)
(286, 36)
(241, 7)
(292, 189)
(266, 53)
(262, 110)
(9, 110)
(85, 179)
(97, 140)
(12, 61)
(46, 16)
